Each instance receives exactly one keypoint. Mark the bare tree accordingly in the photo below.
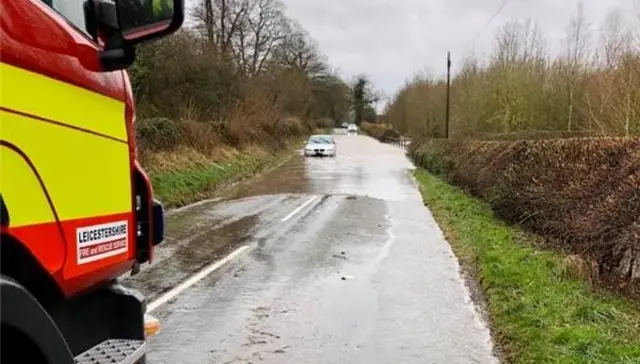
(518, 64)
(221, 20)
(525, 91)
(298, 52)
(264, 27)
(577, 51)
(268, 27)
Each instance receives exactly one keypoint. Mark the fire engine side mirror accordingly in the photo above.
(125, 23)
(142, 20)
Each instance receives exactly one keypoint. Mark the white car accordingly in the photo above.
(320, 145)
(352, 129)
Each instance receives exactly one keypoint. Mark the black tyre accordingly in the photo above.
(18, 348)
(28, 335)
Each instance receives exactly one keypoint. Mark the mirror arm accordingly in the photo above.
(117, 53)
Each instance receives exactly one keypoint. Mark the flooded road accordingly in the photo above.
(339, 262)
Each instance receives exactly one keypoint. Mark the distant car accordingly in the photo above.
(320, 145)
(352, 129)
(345, 125)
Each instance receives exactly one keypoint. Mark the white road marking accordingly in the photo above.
(175, 291)
(194, 279)
(299, 209)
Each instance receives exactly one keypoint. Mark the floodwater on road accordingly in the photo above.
(343, 264)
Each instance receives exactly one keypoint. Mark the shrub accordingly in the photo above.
(375, 130)
(324, 123)
(582, 194)
(158, 134)
(202, 136)
(291, 125)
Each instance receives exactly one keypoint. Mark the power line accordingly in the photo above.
(504, 4)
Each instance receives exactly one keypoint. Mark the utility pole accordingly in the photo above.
(446, 127)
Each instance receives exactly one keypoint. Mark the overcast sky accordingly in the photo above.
(389, 40)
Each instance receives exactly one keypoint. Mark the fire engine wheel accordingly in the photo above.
(29, 335)
(19, 348)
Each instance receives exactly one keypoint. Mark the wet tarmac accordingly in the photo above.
(344, 265)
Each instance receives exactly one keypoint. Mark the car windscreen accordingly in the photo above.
(320, 140)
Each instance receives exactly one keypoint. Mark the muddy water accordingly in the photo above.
(289, 178)
(361, 274)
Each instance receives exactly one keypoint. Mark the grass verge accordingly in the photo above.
(200, 180)
(539, 315)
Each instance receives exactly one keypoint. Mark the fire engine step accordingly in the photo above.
(113, 351)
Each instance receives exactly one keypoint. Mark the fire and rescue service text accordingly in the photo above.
(101, 241)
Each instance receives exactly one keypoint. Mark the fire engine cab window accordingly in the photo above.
(73, 10)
